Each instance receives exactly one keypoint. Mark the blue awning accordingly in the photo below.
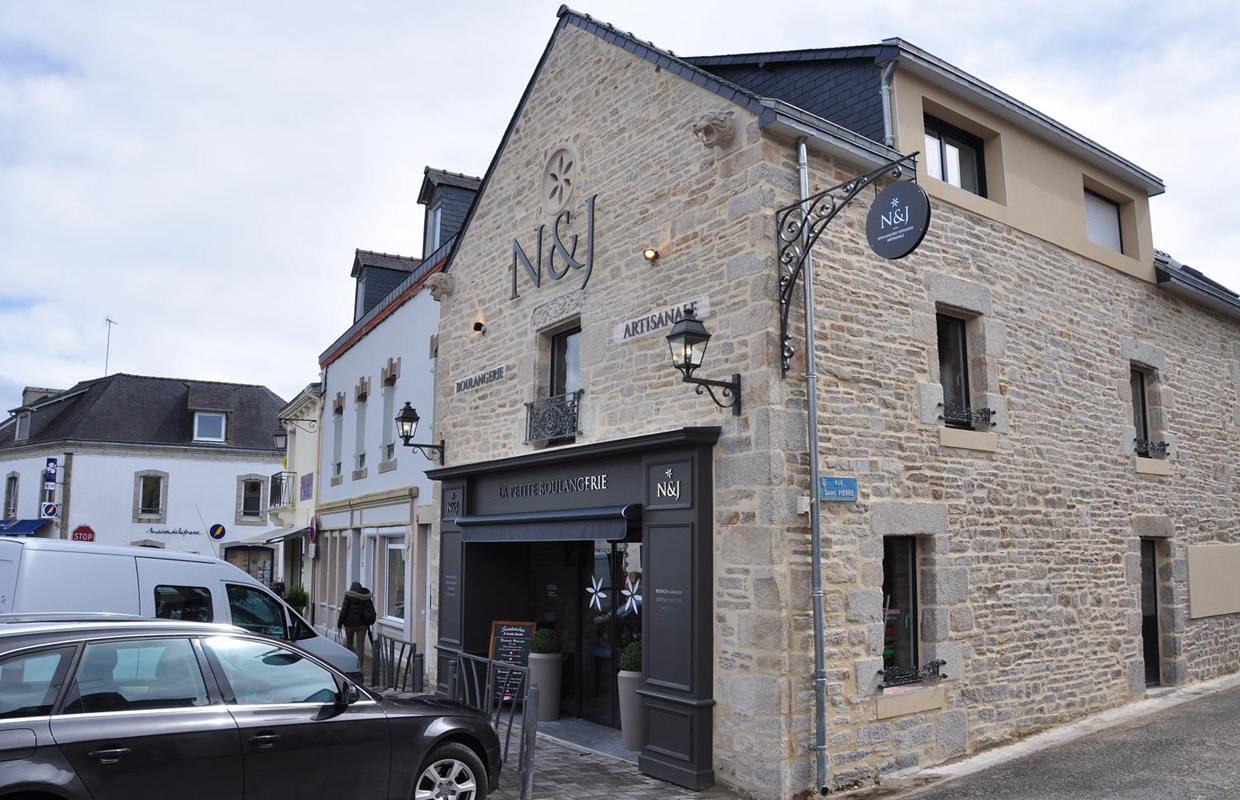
(22, 527)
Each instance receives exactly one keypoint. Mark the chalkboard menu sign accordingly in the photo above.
(510, 644)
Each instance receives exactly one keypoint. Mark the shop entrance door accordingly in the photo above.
(610, 620)
(1149, 613)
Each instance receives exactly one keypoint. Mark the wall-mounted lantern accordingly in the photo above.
(407, 427)
(281, 434)
(688, 341)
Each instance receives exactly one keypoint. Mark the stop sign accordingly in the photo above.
(83, 533)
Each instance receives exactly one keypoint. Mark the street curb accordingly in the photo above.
(911, 785)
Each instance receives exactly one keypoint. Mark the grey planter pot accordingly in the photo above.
(545, 669)
(631, 727)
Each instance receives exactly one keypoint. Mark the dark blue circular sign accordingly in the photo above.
(898, 220)
(217, 532)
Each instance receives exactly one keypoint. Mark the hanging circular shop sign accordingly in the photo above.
(898, 220)
(217, 532)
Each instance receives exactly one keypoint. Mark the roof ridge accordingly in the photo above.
(429, 169)
(233, 384)
(754, 55)
(359, 250)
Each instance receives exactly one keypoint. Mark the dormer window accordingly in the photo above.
(1102, 224)
(434, 218)
(209, 427)
(954, 156)
(23, 427)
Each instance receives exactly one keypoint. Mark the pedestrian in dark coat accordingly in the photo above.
(357, 614)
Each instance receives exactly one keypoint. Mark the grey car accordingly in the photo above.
(104, 708)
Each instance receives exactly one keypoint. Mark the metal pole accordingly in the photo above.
(815, 509)
(529, 734)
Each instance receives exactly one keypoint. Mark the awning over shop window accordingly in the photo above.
(22, 527)
(572, 525)
(290, 535)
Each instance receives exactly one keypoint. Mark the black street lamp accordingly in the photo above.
(407, 427)
(281, 437)
(688, 341)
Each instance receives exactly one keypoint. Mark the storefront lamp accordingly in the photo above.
(688, 341)
(650, 254)
(407, 427)
(281, 437)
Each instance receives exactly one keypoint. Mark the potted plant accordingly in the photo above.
(296, 597)
(628, 681)
(546, 662)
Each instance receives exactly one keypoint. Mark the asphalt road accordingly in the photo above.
(1190, 752)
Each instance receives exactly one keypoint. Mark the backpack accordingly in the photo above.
(368, 613)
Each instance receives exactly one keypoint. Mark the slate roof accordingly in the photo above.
(442, 177)
(137, 409)
(1193, 284)
(369, 258)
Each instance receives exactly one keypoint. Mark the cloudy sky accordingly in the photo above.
(201, 172)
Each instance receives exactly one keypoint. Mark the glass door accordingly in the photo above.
(610, 620)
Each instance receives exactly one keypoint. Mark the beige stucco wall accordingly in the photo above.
(1033, 186)
(1029, 545)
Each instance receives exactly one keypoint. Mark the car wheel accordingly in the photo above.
(451, 772)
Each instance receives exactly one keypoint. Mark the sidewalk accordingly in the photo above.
(565, 772)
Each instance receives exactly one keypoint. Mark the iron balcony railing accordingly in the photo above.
(283, 490)
(965, 417)
(551, 419)
(1148, 448)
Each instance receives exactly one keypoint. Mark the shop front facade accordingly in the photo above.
(1040, 441)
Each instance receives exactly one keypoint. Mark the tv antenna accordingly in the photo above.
(107, 352)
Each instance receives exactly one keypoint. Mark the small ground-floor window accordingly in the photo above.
(394, 595)
(900, 602)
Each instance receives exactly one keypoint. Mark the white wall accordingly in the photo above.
(405, 334)
(201, 493)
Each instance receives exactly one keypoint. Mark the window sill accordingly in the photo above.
(1153, 466)
(337, 480)
(387, 466)
(982, 441)
(899, 701)
(395, 622)
(358, 474)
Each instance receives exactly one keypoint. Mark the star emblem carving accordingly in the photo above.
(668, 473)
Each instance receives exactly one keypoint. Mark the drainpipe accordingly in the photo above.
(885, 92)
(815, 517)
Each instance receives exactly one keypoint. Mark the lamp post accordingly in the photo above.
(688, 340)
(407, 427)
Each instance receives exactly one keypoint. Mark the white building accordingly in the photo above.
(292, 493)
(374, 499)
(160, 462)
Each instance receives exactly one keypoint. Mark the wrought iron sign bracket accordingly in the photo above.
(798, 226)
(311, 425)
(428, 449)
(730, 389)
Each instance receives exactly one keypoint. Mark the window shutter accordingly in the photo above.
(1102, 221)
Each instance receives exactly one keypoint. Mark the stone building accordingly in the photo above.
(1039, 409)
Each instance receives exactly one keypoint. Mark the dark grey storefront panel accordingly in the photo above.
(669, 603)
(575, 525)
(588, 492)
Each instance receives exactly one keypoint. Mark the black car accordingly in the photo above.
(106, 708)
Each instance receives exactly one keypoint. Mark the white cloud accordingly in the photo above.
(203, 172)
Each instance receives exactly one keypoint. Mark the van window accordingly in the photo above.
(255, 610)
(191, 603)
(29, 683)
(299, 629)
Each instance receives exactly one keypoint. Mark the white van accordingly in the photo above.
(39, 575)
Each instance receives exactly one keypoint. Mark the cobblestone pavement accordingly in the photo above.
(565, 772)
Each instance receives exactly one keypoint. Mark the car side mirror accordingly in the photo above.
(349, 695)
